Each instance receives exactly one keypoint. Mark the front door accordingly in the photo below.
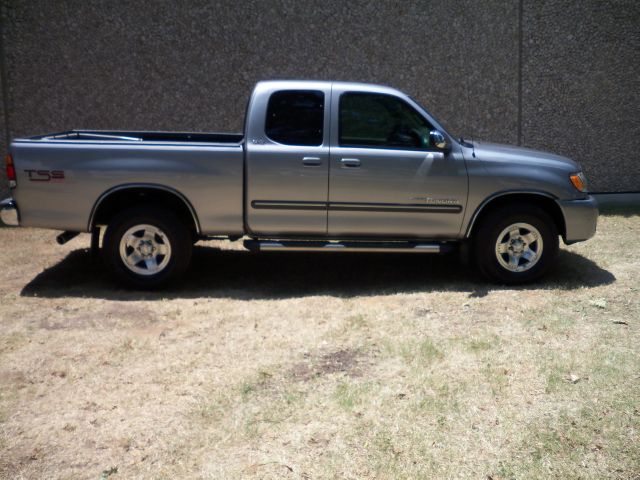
(287, 160)
(386, 179)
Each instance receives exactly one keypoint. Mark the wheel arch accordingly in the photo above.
(122, 196)
(547, 202)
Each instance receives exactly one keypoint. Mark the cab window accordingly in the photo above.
(379, 120)
(295, 117)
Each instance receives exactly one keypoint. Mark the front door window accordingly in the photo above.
(381, 121)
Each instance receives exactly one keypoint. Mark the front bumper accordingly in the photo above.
(9, 212)
(580, 219)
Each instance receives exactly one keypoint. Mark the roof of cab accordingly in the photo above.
(326, 84)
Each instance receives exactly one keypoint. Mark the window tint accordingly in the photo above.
(378, 120)
(295, 117)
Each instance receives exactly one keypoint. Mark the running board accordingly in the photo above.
(365, 247)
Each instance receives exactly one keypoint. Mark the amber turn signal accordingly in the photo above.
(579, 181)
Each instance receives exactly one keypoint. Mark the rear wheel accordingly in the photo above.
(516, 244)
(146, 247)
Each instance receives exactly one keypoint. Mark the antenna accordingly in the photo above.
(473, 147)
(466, 84)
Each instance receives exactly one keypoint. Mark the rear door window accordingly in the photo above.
(296, 117)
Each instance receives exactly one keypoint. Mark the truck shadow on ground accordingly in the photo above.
(241, 275)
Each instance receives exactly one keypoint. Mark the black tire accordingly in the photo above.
(495, 223)
(171, 231)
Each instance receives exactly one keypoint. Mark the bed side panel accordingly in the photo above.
(209, 177)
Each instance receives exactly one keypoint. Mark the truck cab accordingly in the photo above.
(345, 160)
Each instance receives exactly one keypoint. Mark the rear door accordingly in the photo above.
(386, 178)
(287, 159)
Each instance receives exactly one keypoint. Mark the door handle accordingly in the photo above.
(350, 162)
(311, 161)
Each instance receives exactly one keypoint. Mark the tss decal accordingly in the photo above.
(45, 175)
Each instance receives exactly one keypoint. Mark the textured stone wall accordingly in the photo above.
(557, 75)
(581, 86)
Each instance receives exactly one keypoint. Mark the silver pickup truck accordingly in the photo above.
(322, 167)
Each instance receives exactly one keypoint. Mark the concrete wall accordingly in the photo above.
(557, 75)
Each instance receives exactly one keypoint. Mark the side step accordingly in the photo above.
(366, 247)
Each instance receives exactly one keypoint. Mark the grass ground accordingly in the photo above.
(318, 366)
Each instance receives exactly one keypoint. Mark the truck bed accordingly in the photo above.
(140, 136)
(62, 176)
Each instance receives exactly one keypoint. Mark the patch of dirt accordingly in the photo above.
(74, 323)
(109, 317)
(347, 361)
(15, 378)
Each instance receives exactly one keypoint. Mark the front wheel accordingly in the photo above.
(146, 247)
(516, 244)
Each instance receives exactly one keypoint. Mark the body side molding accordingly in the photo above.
(356, 207)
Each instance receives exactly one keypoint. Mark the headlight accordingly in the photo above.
(579, 181)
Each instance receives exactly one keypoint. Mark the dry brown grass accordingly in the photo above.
(317, 366)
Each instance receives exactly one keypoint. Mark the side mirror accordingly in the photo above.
(438, 140)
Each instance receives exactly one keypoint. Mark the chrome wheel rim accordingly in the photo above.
(145, 250)
(519, 247)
